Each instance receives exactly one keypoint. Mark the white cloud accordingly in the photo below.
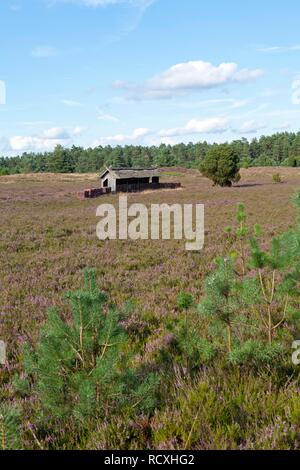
(274, 49)
(47, 140)
(140, 132)
(158, 140)
(250, 127)
(41, 52)
(200, 74)
(28, 143)
(193, 75)
(71, 103)
(76, 131)
(205, 126)
(56, 133)
(119, 139)
(102, 116)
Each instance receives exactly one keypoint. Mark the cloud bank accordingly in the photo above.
(47, 140)
(189, 76)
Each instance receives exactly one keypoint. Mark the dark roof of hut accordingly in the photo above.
(124, 173)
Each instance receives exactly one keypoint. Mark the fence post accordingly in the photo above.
(2, 352)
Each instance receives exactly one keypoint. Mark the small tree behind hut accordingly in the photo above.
(221, 164)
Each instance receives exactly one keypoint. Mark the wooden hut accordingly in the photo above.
(129, 179)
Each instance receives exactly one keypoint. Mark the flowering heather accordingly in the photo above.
(48, 239)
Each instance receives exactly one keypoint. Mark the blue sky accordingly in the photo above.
(90, 72)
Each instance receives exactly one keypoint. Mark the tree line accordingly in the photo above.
(281, 149)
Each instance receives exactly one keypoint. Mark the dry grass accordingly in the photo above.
(48, 238)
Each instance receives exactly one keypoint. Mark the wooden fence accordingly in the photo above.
(92, 193)
(131, 188)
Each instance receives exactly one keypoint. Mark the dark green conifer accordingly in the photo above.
(83, 369)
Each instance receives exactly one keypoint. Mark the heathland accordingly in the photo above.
(48, 239)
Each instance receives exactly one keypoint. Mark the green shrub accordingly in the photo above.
(277, 178)
(229, 410)
(10, 427)
(252, 296)
(256, 354)
(291, 161)
(245, 163)
(221, 165)
(83, 371)
(185, 300)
